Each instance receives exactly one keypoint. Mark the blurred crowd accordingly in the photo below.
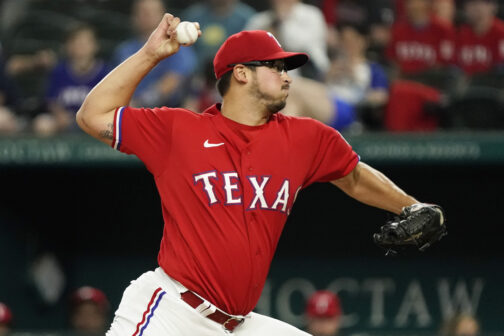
(388, 65)
(324, 314)
(89, 312)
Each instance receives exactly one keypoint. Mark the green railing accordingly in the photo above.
(437, 148)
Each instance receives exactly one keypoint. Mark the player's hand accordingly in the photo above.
(162, 42)
(419, 225)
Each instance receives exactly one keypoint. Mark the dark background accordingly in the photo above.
(84, 209)
(104, 226)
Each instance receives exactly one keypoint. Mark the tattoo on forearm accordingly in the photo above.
(108, 133)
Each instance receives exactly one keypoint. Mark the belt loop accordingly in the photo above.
(208, 310)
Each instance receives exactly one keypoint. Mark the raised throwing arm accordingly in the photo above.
(96, 114)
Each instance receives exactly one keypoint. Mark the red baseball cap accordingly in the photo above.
(323, 303)
(253, 45)
(89, 294)
(5, 314)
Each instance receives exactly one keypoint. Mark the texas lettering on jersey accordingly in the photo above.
(233, 193)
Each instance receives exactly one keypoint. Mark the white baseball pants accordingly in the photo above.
(151, 306)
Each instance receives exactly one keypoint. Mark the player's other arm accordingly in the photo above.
(371, 187)
(96, 114)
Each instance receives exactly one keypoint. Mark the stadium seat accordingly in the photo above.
(479, 107)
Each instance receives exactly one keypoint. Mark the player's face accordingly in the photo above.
(270, 86)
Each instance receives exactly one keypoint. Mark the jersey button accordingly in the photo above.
(250, 169)
(248, 153)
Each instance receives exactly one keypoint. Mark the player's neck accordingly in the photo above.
(243, 112)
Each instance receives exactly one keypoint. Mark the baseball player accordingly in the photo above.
(227, 179)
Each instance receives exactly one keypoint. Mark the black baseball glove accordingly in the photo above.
(418, 225)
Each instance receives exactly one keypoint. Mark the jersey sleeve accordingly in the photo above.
(145, 132)
(333, 157)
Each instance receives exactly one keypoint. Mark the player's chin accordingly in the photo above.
(277, 106)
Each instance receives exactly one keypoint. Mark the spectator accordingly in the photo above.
(353, 85)
(88, 311)
(5, 319)
(406, 110)
(377, 15)
(297, 26)
(323, 314)
(444, 11)
(203, 91)
(71, 80)
(352, 79)
(166, 84)
(480, 42)
(461, 325)
(218, 19)
(419, 42)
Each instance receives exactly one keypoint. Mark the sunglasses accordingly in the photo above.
(278, 66)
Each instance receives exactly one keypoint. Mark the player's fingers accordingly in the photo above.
(167, 17)
(162, 28)
(172, 29)
(198, 27)
(174, 22)
(165, 21)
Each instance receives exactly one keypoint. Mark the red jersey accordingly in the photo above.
(226, 191)
(479, 53)
(417, 49)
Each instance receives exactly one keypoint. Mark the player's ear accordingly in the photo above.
(241, 73)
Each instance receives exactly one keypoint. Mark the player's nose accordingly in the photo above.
(286, 78)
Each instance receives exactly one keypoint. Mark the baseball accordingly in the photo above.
(187, 33)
